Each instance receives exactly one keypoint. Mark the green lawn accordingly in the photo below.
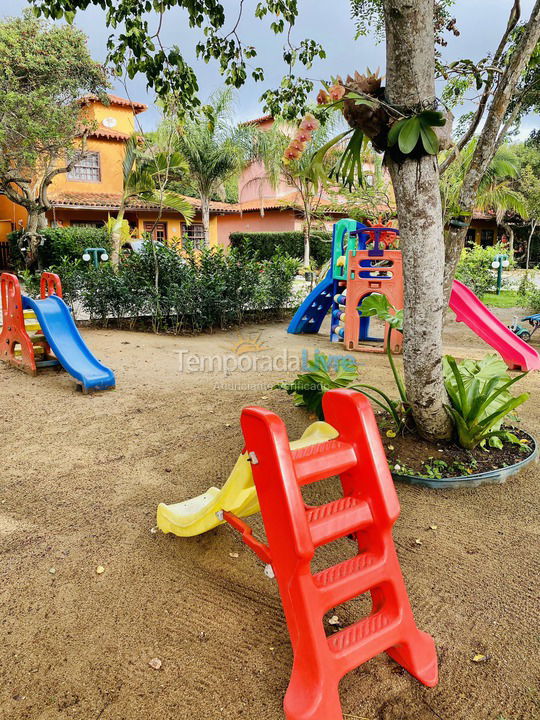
(507, 299)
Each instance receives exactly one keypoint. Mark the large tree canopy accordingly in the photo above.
(136, 45)
(45, 70)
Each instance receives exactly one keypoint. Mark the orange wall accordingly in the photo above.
(111, 159)
(12, 217)
(272, 221)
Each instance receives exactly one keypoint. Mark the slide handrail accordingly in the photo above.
(10, 294)
(50, 284)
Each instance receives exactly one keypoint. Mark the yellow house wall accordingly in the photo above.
(12, 216)
(213, 232)
(125, 120)
(111, 159)
(173, 223)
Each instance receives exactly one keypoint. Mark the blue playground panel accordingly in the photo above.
(311, 313)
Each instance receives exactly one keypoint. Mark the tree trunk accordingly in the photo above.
(410, 62)
(116, 238)
(32, 236)
(307, 236)
(205, 212)
(529, 243)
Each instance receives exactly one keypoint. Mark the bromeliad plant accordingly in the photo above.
(481, 401)
(308, 388)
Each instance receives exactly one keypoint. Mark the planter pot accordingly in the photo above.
(499, 475)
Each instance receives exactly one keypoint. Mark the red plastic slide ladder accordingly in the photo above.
(368, 508)
(13, 334)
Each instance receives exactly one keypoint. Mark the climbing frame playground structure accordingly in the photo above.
(311, 313)
(365, 510)
(41, 333)
(376, 270)
(379, 271)
(22, 343)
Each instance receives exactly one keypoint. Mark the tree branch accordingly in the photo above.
(515, 14)
(490, 136)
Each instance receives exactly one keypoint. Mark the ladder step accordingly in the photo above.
(337, 519)
(366, 638)
(323, 460)
(47, 363)
(350, 578)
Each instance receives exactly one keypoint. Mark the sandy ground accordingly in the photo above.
(81, 479)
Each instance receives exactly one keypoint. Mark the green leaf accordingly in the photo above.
(379, 306)
(409, 135)
(432, 117)
(430, 141)
(393, 135)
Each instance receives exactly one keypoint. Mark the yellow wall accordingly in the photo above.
(213, 232)
(125, 120)
(111, 158)
(12, 217)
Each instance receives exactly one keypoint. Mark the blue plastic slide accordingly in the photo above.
(67, 344)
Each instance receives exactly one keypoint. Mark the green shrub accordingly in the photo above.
(60, 243)
(198, 291)
(264, 246)
(474, 268)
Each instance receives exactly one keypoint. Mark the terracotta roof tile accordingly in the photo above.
(257, 121)
(105, 134)
(103, 201)
(138, 107)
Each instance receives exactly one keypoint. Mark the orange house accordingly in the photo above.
(92, 190)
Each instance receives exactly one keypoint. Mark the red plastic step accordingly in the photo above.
(317, 462)
(366, 638)
(337, 519)
(348, 579)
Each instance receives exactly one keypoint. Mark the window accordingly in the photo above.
(194, 233)
(158, 231)
(87, 170)
(470, 240)
(487, 237)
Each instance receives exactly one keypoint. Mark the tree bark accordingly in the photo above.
(205, 213)
(510, 232)
(32, 236)
(410, 66)
(529, 242)
(116, 238)
(489, 140)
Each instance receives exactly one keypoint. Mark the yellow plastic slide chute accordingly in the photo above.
(238, 495)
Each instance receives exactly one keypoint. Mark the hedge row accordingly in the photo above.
(265, 245)
(60, 243)
(198, 291)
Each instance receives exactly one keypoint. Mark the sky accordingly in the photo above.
(481, 24)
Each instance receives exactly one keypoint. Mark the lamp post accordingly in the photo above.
(500, 261)
(95, 254)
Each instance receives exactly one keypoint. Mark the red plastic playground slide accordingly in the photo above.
(516, 353)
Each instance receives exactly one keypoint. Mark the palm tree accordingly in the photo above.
(145, 176)
(213, 147)
(293, 161)
(496, 192)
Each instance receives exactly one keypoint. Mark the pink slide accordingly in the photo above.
(516, 353)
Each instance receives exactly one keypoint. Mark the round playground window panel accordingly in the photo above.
(490, 477)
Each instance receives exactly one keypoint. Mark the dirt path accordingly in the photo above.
(81, 480)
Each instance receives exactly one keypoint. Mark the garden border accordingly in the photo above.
(497, 476)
